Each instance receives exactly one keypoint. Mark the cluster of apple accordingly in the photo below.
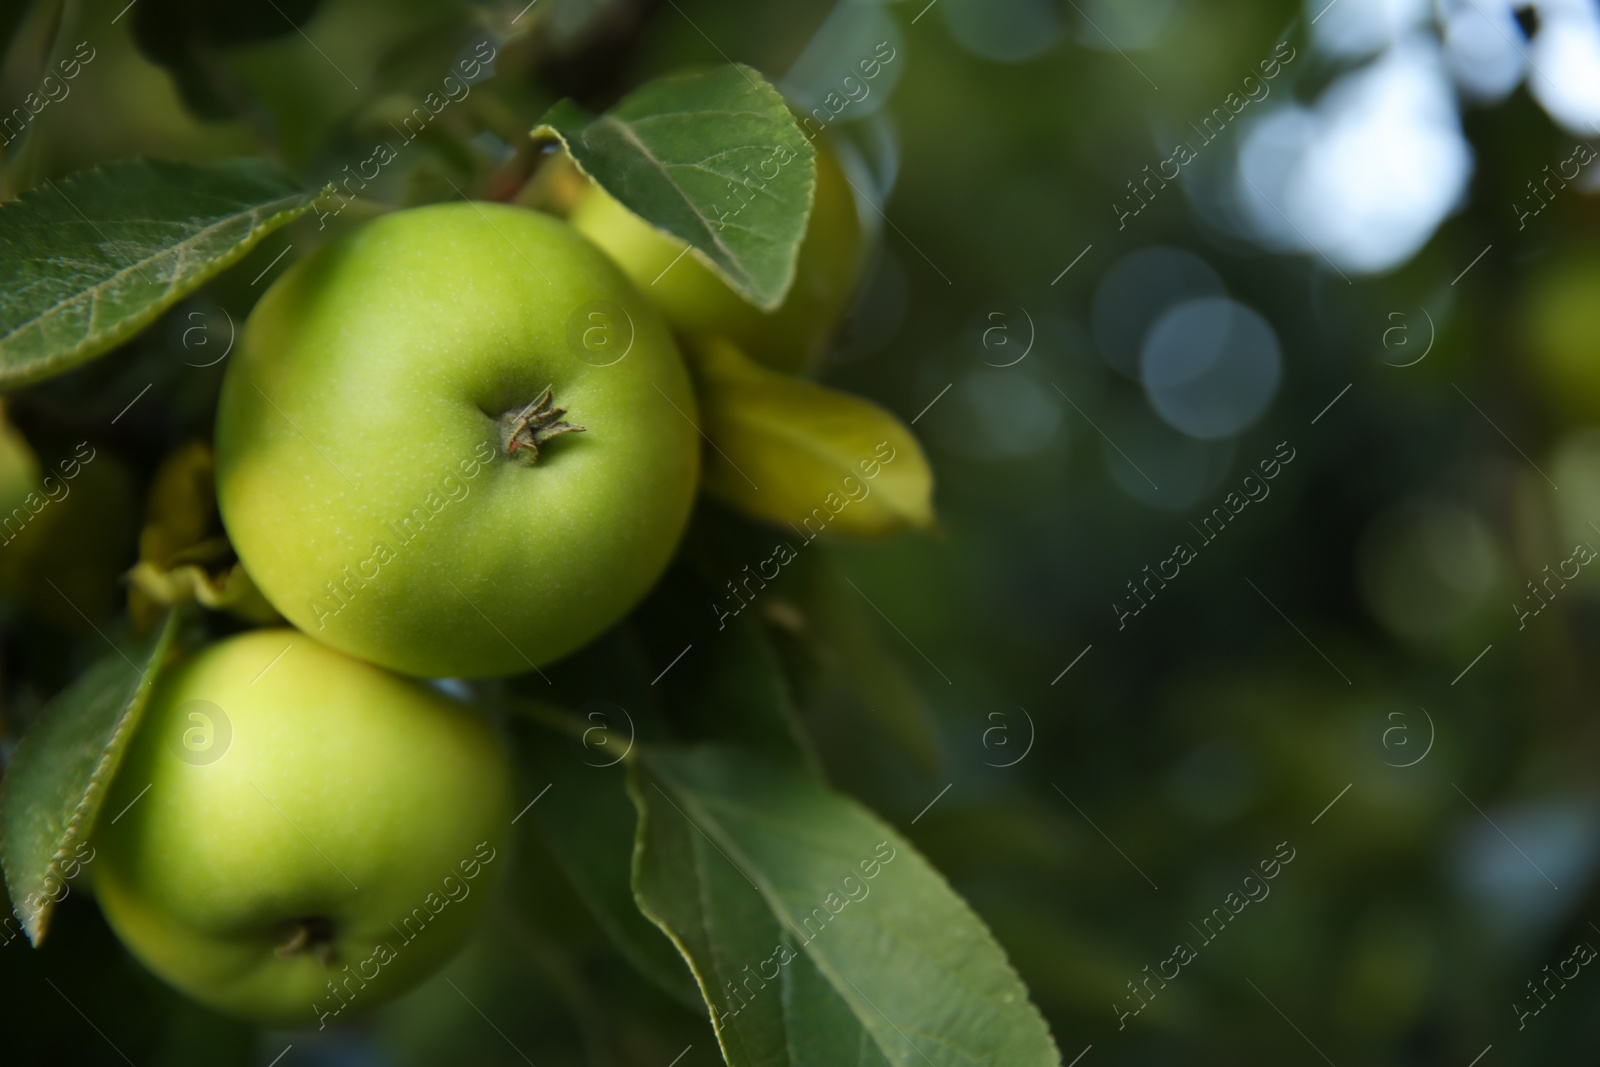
(419, 471)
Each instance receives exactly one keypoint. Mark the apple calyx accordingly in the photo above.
(311, 935)
(523, 430)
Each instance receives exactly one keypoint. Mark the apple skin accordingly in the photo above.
(332, 761)
(66, 562)
(19, 469)
(697, 302)
(361, 473)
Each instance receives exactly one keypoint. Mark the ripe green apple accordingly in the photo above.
(698, 302)
(295, 833)
(456, 443)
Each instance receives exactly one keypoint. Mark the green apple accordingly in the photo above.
(296, 835)
(456, 443)
(699, 303)
(65, 545)
(19, 469)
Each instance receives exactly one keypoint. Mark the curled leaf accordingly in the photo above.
(181, 556)
(713, 158)
(232, 590)
(697, 302)
(792, 451)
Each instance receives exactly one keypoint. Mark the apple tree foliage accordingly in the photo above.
(688, 815)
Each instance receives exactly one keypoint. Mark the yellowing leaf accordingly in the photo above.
(180, 558)
(792, 451)
(182, 506)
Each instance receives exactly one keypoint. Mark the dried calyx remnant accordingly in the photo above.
(312, 935)
(523, 430)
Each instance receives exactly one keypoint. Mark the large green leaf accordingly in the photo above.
(90, 260)
(61, 770)
(729, 687)
(713, 158)
(817, 935)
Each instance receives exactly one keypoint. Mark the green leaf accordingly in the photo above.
(691, 154)
(588, 824)
(90, 260)
(61, 770)
(817, 935)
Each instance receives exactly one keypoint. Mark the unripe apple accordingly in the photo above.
(295, 835)
(457, 443)
(699, 303)
(19, 468)
(66, 544)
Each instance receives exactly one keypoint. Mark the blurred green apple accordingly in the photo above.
(65, 545)
(457, 443)
(19, 468)
(295, 833)
(696, 301)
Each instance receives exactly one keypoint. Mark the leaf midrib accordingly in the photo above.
(628, 133)
(93, 292)
(770, 895)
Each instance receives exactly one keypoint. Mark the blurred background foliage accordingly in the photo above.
(1323, 241)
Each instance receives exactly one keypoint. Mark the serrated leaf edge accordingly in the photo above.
(743, 287)
(99, 780)
(752, 872)
(177, 288)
